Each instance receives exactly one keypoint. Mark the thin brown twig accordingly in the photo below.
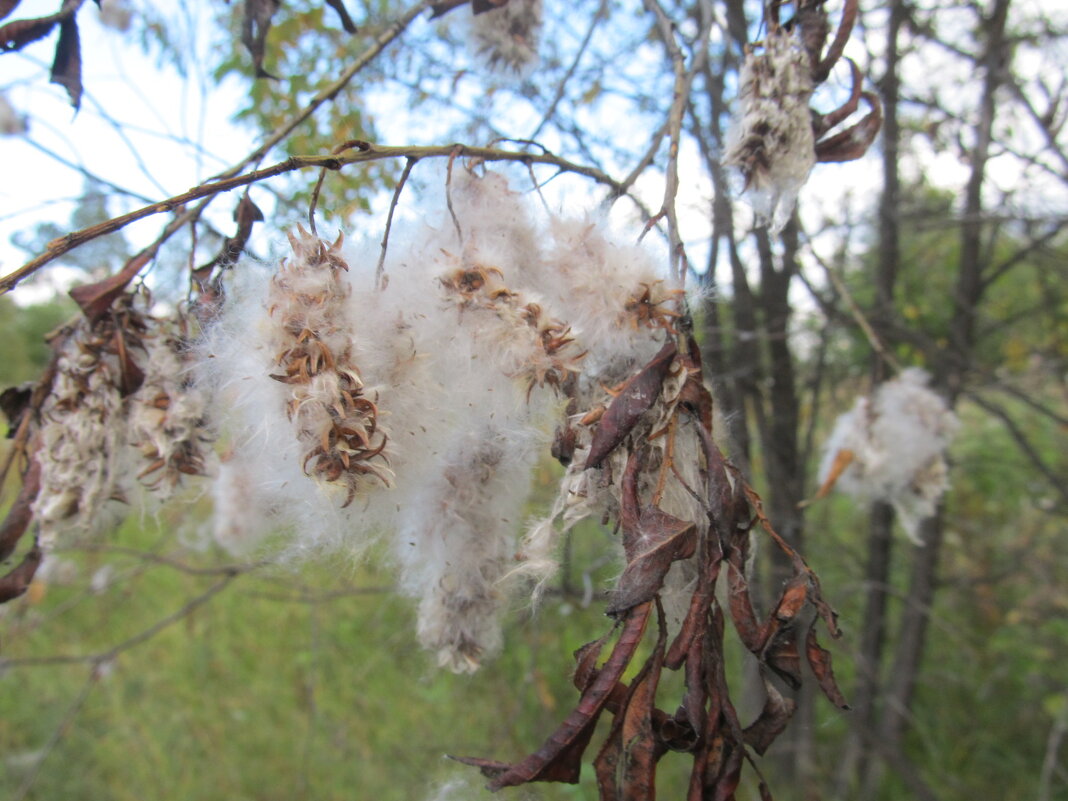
(380, 267)
(59, 732)
(207, 191)
(856, 312)
(683, 81)
(448, 193)
(132, 642)
(600, 14)
(1018, 435)
(347, 145)
(168, 561)
(72, 240)
(381, 42)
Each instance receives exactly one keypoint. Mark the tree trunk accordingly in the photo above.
(949, 378)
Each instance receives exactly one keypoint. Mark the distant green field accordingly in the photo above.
(303, 683)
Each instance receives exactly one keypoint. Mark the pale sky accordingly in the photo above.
(155, 134)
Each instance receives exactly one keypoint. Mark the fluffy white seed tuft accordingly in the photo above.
(469, 352)
(892, 447)
(770, 139)
(506, 38)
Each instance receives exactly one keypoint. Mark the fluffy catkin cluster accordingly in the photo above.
(892, 447)
(470, 351)
(541, 350)
(506, 38)
(335, 422)
(82, 435)
(168, 415)
(121, 405)
(770, 139)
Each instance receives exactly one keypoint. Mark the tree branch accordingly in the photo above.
(367, 153)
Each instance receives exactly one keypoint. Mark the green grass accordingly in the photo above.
(286, 684)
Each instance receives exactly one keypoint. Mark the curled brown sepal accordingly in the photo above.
(635, 399)
(95, 299)
(18, 580)
(819, 659)
(16, 35)
(772, 721)
(20, 514)
(854, 141)
(559, 758)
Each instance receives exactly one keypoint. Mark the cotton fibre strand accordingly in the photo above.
(893, 445)
(415, 409)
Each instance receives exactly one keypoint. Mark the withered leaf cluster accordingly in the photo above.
(704, 724)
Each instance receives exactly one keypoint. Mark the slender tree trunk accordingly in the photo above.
(949, 379)
(859, 747)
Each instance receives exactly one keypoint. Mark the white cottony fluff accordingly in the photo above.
(770, 139)
(507, 37)
(96, 440)
(463, 352)
(898, 440)
(167, 416)
(81, 441)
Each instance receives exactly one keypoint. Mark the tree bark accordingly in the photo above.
(949, 378)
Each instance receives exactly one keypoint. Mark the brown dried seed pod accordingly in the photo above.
(333, 419)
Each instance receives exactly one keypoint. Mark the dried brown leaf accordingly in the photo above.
(95, 299)
(819, 659)
(660, 540)
(740, 604)
(777, 711)
(7, 6)
(346, 20)
(255, 26)
(20, 514)
(246, 215)
(635, 399)
(482, 6)
(559, 758)
(16, 582)
(445, 6)
(641, 747)
(14, 402)
(854, 141)
(16, 35)
(67, 64)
